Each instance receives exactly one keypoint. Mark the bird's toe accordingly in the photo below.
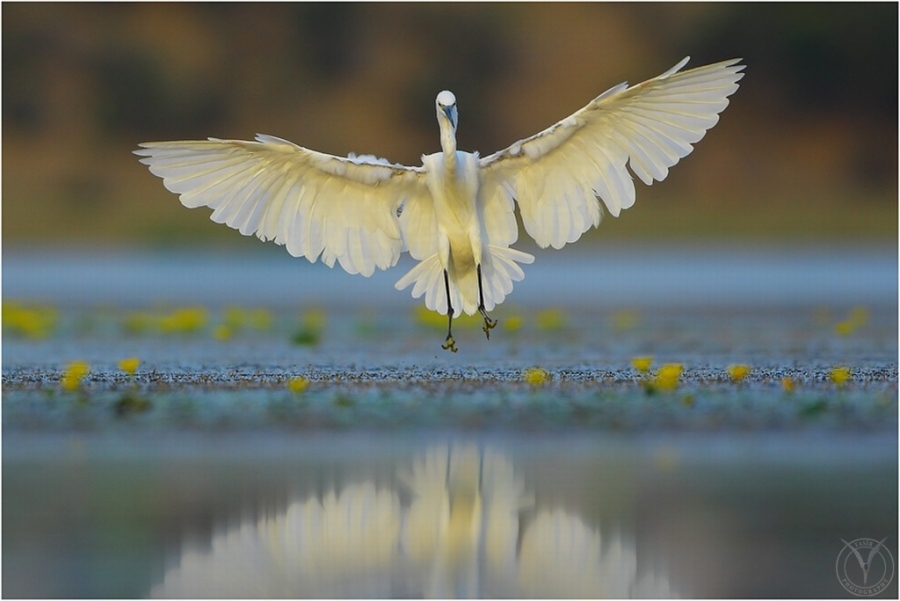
(449, 344)
(489, 324)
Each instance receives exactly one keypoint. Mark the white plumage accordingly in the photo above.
(455, 213)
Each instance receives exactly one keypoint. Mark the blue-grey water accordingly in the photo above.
(406, 471)
(603, 275)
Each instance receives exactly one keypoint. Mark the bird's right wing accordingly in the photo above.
(557, 175)
(344, 209)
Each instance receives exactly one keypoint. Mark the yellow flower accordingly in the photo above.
(513, 323)
(259, 319)
(75, 372)
(129, 365)
(31, 322)
(298, 384)
(188, 319)
(236, 318)
(844, 328)
(840, 375)
(787, 384)
(432, 319)
(551, 319)
(642, 364)
(233, 317)
(429, 318)
(857, 318)
(667, 376)
(314, 319)
(223, 332)
(738, 372)
(536, 376)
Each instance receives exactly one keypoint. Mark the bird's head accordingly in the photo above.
(446, 108)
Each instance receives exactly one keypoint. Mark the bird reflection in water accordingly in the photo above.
(461, 535)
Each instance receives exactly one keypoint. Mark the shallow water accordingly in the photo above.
(601, 276)
(404, 470)
(440, 514)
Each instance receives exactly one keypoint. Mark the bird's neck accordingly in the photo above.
(448, 143)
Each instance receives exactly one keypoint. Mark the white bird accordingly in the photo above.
(455, 213)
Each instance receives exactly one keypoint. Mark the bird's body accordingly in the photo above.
(453, 184)
(455, 213)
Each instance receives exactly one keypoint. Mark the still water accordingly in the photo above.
(601, 275)
(405, 471)
(441, 514)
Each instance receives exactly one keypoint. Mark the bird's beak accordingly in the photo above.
(448, 112)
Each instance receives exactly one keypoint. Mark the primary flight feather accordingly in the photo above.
(455, 213)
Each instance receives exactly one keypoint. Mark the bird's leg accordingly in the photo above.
(489, 324)
(449, 343)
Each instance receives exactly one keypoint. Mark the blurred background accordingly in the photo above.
(807, 150)
(154, 398)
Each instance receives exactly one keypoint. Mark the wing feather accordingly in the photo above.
(231, 212)
(315, 204)
(269, 213)
(557, 176)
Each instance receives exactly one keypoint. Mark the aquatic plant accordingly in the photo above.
(738, 372)
(129, 365)
(512, 323)
(29, 321)
(857, 318)
(839, 375)
(433, 319)
(223, 332)
(297, 384)
(310, 331)
(550, 319)
(184, 320)
(642, 364)
(536, 376)
(668, 376)
(74, 374)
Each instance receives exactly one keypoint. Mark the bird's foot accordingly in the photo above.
(489, 324)
(449, 344)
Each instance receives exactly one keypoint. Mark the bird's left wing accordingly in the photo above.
(344, 209)
(557, 175)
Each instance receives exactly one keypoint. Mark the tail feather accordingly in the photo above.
(498, 272)
(427, 275)
(499, 269)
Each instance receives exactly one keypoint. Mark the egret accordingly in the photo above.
(455, 213)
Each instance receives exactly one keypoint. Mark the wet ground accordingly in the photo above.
(643, 422)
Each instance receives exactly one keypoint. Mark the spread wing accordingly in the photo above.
(344, 209)
(557, 175)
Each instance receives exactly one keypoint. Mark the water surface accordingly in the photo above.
(404, 470)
